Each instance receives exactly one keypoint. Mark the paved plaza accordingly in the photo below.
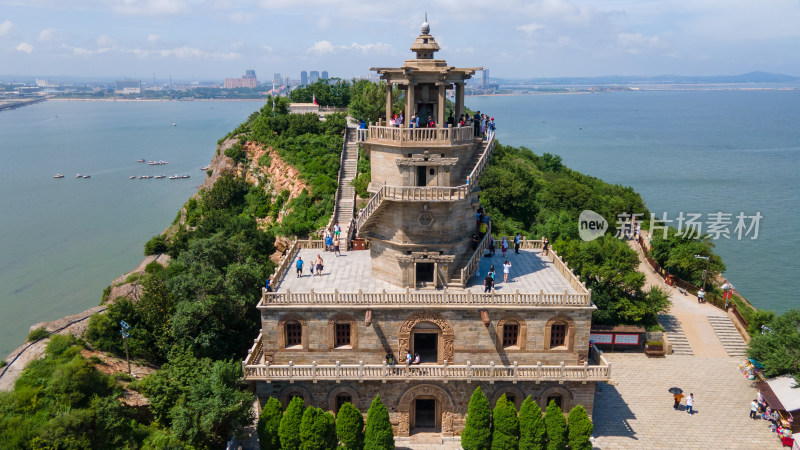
(636, 412)
(353, 271)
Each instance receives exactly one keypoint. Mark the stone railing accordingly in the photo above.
(472, 179)
(433, 136)
(564, 270)
(362, 134)
(430, 299)
(283, 265)
(442, 372)
(475, 259)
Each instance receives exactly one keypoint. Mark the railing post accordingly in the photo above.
(314, 372)
(338, 371)
(288, 296)
(336, 295)
(291, 371)
(469, 372)
(563, 373)
(586, 369)
(385, 372)
(361, 371)
(445, 372)
(516, 297)
(491, 372)
(564, 301)
(311, 294)
(444, 294)
(538, 371)
(516, 372)
(266, 371)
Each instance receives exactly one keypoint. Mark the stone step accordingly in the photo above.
(675, 335)
(728, 335)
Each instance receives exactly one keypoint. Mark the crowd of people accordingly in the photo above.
(483, 124)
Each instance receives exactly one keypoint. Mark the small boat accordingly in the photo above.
(184, 176)
(160, 176)
(58, 175)
(78, 176)
(204, 168)
(174, 124)
(174, 177)
(87, 176)
(133, 177)
(140, 160)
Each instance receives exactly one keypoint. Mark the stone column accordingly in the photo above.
(440, 115)
(459, 99)
(410, 105)
(388, 102)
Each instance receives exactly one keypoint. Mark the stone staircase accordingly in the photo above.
(728, 335)
(427, 441)
(674, 332)
(346, 193)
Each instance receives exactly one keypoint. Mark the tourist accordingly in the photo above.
(431, 123)
(416, 120)
(690, 403)
(408, 358)
(337, 230)
(476, 124)
(336, 247)
(760, 398)
(328, 241)
(451, 121)
(545, 246)
(506, 271)
(311, 269)
(416, 359)
(754, 409)
(483, 227)
(678, 397)
(299, 267)
(483, 127)
(492, 273)
(478, 215)
(727, 291)
(504, 246)
(389, 359)
(701, 296)
(475, 241)
(318, 263)
(491, 246)
(517, 241)
(491, 128)
(268, 285)
(487, 284)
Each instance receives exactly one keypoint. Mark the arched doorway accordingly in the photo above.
(436, 337)
(425, 408)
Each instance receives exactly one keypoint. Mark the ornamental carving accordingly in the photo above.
(448, 337)
(443, 398)
(426, 159)
(425, 219)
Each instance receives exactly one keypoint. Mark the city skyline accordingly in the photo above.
(213, 39)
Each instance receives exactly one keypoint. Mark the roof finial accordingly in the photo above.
(426, 29)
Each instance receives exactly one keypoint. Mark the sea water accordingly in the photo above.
(702, 152)
(63, 240)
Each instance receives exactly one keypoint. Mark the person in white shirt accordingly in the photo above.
(506, 271)
(690, 404)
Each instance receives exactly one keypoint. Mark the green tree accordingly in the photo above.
(368, 100)
(555, 426)
(506, 425)
(579, 429)
(378, 434)
(156, 244)
(317, 430)
(531, 426)
(350, 427)
(477, 433)
(289, 430)
(268, 424)
(778, 347)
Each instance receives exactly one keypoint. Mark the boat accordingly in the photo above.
(78, 176)
(133, 177)
(174, 177)
(140, 160)
(147, 177)
(58, 175)
(174, 124)
(184, 176)
(87, 176)
(204, 168)
(159, 176)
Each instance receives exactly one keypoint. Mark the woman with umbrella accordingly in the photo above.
(677, 394)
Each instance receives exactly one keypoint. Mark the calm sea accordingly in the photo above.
(64, 240)
(684, 151)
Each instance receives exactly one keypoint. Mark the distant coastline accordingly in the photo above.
(64, 99)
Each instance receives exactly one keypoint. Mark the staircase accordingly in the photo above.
(674, 332)
(728, 335)
(345, 195)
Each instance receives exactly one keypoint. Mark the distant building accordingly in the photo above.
(324, 74)
(485, 79)
(303, 78)
(128, 87)
(249, 80)
(287, 82)
(314, 76)
(277, 79)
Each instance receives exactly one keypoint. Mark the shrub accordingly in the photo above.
(477, 434)
(268, 424)
(579, 429)
(156, 244)
(531, 426)
(317, 430)
(350, 427)
(236, 153)
(37, 334)
(506, 425)
(289, 429)
(556, 427)
(378, 434)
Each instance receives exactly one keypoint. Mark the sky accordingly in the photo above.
(213, 39)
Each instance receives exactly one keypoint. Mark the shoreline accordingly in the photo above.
(61, 99)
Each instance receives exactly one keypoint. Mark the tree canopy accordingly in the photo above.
(477, 433)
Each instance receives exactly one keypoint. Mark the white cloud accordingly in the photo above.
(323, 22)
(6, 27)
(46, 35)
(153, 38)
(242, 16)
(25, 47)
(376, 48)
(322, 47)
(186, 52)
(268, 48)
(106, 41)
(636, 43)
(151, 7)
(530, 28)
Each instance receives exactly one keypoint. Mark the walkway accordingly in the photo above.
(637, 412)
(346, 192)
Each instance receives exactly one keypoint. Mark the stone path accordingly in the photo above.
(636, 412)
(674, 332)
(728, 335)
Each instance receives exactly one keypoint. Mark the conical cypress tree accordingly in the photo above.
(350, 427)
(531, 426)
(505, 434)
(268, 424)
(556, 427)
(317, 430)
(289, 430)
(579, 429)
(378, 434)
(477, 434)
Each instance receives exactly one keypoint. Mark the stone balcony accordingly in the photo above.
(417, 136)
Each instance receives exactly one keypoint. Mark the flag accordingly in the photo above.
(314, 97)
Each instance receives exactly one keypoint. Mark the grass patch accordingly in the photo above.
(38, 334)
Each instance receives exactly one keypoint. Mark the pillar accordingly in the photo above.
(388, 102)
(440, 114)
(410, 105)
(459, 99)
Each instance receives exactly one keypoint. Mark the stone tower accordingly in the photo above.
(420, 219)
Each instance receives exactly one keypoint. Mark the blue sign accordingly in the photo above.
(125, 334)
(124, 325)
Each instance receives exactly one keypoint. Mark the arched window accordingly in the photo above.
(292, 332)
(342, 332)
(559, 334)
(511, 333)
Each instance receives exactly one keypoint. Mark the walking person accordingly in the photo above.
(754, 409)
(336, 247)
(701, 296)
(268, 285)
(487, 284)
(517, 241)
(328, 242)
(545, 246)
(318, 263)
(690, 403)
(504, 246)
(299, 267)
(506, 270)
(678, 397)
(491, 246)
(337, 230)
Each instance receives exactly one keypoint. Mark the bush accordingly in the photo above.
(556, 427)
(531, 426)
(378, 434)
(317, 430)
(477, 433)
(37, 334)
(268, 424)
(236, 152)
(579, 429)
(350, 427)
(506, 425)
(156, 244)
(289, 429)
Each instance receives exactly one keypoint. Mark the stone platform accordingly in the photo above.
(530, 272)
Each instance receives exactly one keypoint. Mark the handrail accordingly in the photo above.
(564, 269)
(329, 227)
(461, 372)
(422, 135)
(475, 259)
(283, 265)
(472, 179)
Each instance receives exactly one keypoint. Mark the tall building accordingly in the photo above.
(314, 76)
(277, 79)
(324, 74)
(344, 337)
(485, 78)
(249, 80)
(303, 78)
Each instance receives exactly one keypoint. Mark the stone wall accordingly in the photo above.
(462, 335)
(452, 399)
(385, 168)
